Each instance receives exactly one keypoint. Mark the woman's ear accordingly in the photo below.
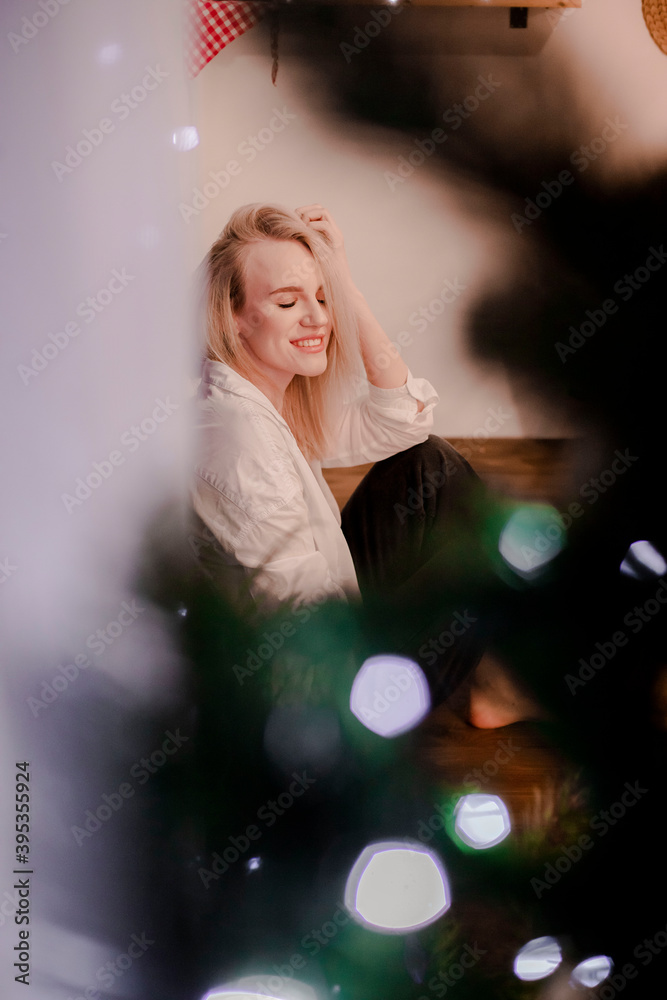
(238, 326)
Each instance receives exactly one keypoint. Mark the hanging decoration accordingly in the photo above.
(210, 26)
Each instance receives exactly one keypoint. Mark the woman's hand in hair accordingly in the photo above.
(384, 366)
(319, 219)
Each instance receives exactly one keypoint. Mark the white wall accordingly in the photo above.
(75, 379)
(404, 240)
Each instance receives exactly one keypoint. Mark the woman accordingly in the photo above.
(286, 332)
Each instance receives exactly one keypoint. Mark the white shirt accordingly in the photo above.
(267, 512)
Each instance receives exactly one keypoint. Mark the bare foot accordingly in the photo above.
(495, 698)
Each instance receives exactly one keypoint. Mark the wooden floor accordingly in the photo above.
(523, 468)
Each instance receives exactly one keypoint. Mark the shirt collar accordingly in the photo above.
(220, 374)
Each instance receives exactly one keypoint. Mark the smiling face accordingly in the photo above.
(285, 323)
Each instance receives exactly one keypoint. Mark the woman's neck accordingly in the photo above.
(273, 392)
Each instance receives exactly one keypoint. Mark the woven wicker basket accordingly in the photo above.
(655, 15)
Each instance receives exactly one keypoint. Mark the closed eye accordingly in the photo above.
(288, 305)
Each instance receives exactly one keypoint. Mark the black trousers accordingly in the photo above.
(413, 526)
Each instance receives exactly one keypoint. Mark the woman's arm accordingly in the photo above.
(382, 423)
(384, 366)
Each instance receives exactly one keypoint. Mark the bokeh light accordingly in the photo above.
(390, 694)
(592, 971)
(537, 959)
(262, 988)
(185, 138)
(643, 561)
(482, 820)
(396, 887)
(531, 538)
(109, 54)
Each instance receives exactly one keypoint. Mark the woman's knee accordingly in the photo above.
(436, 459)
(416, 479)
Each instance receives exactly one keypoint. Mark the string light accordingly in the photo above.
(396, 887)
(537, 959)
(390, 694)
(482, 821)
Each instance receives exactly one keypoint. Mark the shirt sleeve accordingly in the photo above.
(382, 423)
(276, 552)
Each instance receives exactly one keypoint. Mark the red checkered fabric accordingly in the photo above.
(210, 26)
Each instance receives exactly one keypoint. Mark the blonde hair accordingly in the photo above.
(309, 402)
